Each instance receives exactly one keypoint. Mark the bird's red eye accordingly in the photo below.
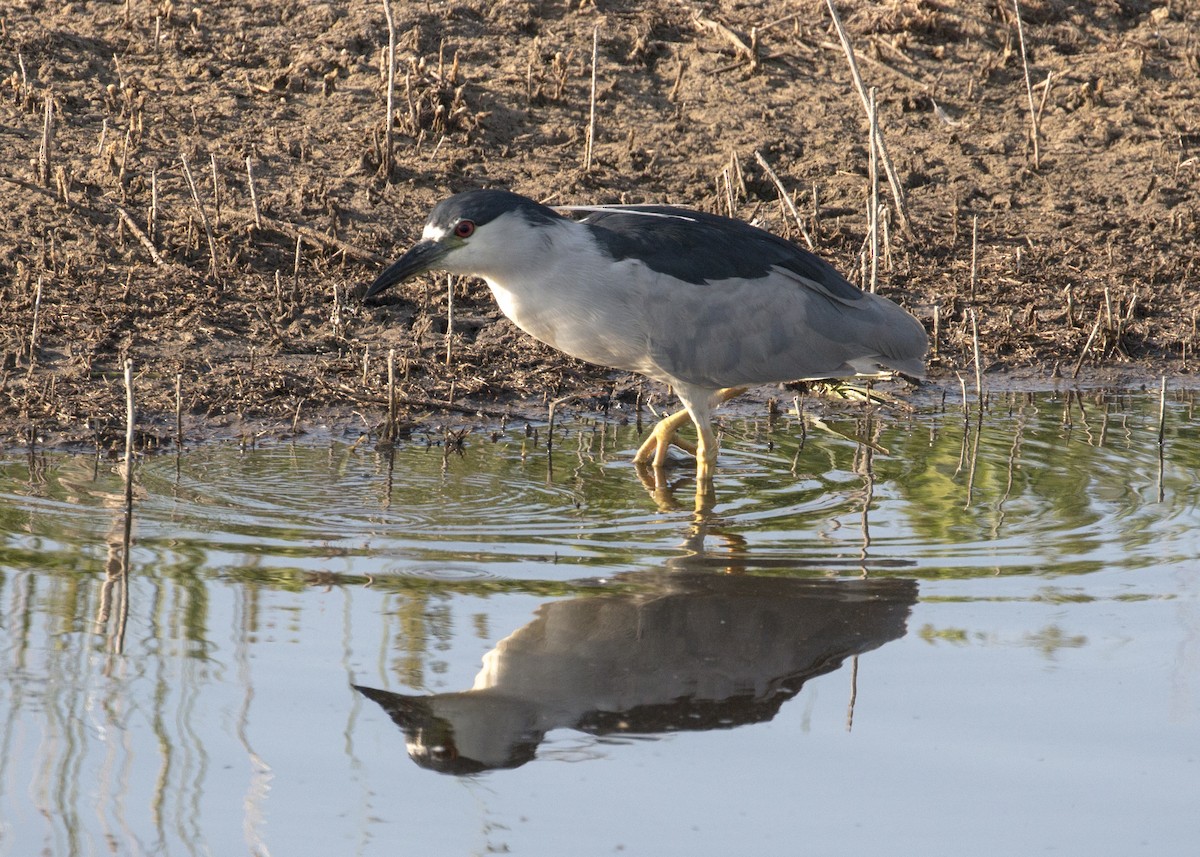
(464, 228)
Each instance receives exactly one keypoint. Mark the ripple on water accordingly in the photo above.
(492, 501)
(1029, 496)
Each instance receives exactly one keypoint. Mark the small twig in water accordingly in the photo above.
(129, 423)
(1162, 411)
(389, 431)
(978, 362)
(179, 410)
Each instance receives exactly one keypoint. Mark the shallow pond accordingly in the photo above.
(885, 633)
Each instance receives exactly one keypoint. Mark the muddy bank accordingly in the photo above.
(206, 192)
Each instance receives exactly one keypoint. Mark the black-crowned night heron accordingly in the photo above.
(668, 650)
(706, 304)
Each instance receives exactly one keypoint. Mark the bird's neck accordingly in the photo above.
(541, 270)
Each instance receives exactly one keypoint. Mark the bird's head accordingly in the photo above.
(471, 233)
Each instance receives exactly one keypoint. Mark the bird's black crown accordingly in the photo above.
(484, 206)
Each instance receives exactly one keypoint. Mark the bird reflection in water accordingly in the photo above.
(656, 652)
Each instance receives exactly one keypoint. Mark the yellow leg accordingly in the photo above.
(707, 447)
(706, 454)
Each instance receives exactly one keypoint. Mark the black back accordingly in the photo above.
(697, 247)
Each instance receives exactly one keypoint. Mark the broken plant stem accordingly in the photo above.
(33, 328)
(212, 159)
(179, 410)
(1033, 112)
(129, 423)
(253, 193)
(449, 316)
(296, 275)
(873, 201)
(388, 140)
(44, 153)
(974, 253)
(389, 431)
(141, 236)
(591, 132)
(212, 244)
(1045, 95)
(152, 220)
(1162, 411)
(1087, 345)
(893, 179)
(978, 362)
(307, 233)
(786, 197)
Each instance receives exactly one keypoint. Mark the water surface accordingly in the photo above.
(888, 632)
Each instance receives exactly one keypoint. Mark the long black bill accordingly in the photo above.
(423, 256)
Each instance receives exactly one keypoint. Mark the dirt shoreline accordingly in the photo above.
(1087, 258)
(610, 398)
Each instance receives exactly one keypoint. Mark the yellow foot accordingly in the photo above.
(653, 450)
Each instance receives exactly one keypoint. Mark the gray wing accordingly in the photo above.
(729, 304)
(779, 327)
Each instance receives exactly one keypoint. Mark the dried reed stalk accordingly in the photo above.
(1033, 111)
(591, 132)
(785, 197)
(893, 179)
(45, 151)
(873, 177)
(974, 254)
(130, 414)
(253, 193)
(978, 362)
(1162, 411)
(388, 140)
(141, 236)
(212, 244)
(33, 327)
(179, 410)
(449, 316)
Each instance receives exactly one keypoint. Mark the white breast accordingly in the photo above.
(573, 297)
